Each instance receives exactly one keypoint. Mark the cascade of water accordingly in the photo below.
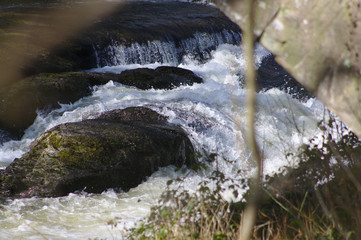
(168, 51)
(205, 111)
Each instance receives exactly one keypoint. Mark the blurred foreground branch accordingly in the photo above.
(38, 31)
(317, 42)
(249, 215)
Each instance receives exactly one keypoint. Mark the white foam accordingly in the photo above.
(207, 113)
(168, 52)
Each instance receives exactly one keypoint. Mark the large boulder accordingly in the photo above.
(117, 150)
(20, 101)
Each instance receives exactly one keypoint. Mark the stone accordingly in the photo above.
(117, 150)
(19, 102)
(271, 75)
(160, 78)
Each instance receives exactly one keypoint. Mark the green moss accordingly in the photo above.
(54, 140)
(76, 151)
(79, 155)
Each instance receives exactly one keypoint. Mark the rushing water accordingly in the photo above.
(199, 45)
(211, 113)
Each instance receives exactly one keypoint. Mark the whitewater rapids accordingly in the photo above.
(207, 112)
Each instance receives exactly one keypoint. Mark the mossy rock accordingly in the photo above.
(117, 150)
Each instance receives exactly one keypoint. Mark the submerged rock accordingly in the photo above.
(19, 102)
(117, 150)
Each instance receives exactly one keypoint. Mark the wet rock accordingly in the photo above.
(117, 150)
(158, 32)
(19, 102)
(271, 75)
(71, 48)
(160, 78)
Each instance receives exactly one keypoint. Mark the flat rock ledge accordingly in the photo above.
(120, 149)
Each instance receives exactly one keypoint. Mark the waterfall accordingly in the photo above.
(169, 51)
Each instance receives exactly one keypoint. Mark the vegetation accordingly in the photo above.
(318, 200)
(184, 215)
(321, 198)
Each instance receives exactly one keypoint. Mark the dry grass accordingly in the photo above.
(321, 199)
(182, 215)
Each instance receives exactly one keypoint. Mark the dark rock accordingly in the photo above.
(160, 78)
(271, 75)
(19, 102)
(167, 22)
(119, 149)
(134, 114)
(130, 22)
(6, 136)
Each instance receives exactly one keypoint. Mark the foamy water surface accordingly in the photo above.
(211, 113)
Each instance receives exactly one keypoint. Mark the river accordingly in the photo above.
(211, 113)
